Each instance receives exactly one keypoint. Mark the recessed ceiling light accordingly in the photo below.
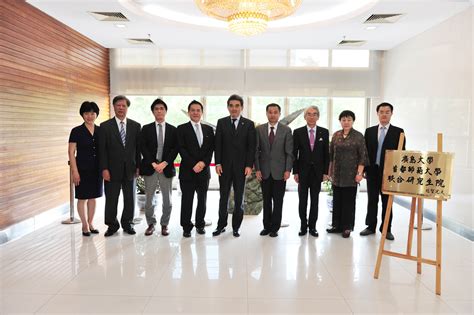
(371, 28)
(120, 25)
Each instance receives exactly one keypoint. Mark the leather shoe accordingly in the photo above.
(333, 230)
(150, 230)
(314, 232)
(302, 232)
(201, 231)
(218, 231)
(86, 233)
(186, 234)
(164, 230)
(109, 232)
(94, 231)
(366, 232)
(346, 233)
(390, 236)
(236, 233)
(273, 234)
(130, 231)
(264, 232)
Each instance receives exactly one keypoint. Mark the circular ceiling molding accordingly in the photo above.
(170, 10)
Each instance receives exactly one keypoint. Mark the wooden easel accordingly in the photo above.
(416, 204)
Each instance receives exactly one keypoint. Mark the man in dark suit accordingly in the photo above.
(311, 153)
(119, 157)
(379, 138)
(273, 163)
(196, 146)
(159, 147)
(234, 156)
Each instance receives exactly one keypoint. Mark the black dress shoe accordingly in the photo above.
(236, 233)
(218, 231)
(186, 234)
(201, 231)
(94, 231)
(264, 232)
(86, 233)
(333, 230)
(130, 231)
(390, 236)
(346, 233)
(314, 232)
(109, 232)
(366, 232)
(273, 234)
(302, 232)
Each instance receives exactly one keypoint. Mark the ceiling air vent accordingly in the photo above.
(140, 41)
(109, 16)
(351, 43)
(383, 18)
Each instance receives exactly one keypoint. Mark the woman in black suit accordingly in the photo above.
(83, 156)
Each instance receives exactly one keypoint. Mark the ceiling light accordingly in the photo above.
(371, 28)
(249, 17)
(120, 25)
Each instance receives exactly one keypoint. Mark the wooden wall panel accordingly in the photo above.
(46, 71)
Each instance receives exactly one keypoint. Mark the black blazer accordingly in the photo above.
(149, 146)
(390, 143)
(235, 149)
(122, 162)
(305, 159)
(190, 151)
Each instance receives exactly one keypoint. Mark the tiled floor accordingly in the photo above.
(56, 270)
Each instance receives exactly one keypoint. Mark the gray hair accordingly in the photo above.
(316, 108)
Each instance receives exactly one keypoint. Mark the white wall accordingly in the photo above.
(429, 80)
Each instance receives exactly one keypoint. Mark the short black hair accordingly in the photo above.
(194, 102)
(158, 101)
(347, 113)
(120, 98)
(273, 105)
(385, 104)
(87, 107)
(235, 97)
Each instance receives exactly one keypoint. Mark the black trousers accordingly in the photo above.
(198, 185)
(343, 207)
(374, 190)
(112, 193)
(273, 192)
(236, 179)
(308, 182)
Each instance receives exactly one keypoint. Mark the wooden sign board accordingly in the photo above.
(418, 174)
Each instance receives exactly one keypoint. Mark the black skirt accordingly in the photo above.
(90, 186)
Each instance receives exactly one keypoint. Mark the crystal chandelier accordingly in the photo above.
(248, 17)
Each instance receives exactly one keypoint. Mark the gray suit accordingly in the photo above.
(273, 161)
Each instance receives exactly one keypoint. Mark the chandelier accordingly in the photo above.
(248, 17)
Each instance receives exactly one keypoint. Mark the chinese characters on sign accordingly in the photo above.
(418, 174)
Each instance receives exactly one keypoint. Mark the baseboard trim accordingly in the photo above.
(32, 224)
(456, 227)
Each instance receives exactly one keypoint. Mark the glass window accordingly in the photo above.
(296, 103)
(178, 108)
(222, 58)
(258, 113)
(309, 58)
(139, 109)
(216, 108)
(137, 57)
(267, 58)
(355, 104)
(180, 57)
(350, 58)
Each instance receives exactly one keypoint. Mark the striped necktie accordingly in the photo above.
(122, 132)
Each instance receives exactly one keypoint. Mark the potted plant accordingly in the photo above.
(140, 188)
(327, 187)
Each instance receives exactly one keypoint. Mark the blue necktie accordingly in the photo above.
(122, 132)
(379, 147)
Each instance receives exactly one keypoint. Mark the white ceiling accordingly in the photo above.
(419, 15)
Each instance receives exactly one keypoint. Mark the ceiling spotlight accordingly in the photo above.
(120, 25)
(371, 28)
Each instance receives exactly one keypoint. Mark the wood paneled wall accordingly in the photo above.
(46, 71)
